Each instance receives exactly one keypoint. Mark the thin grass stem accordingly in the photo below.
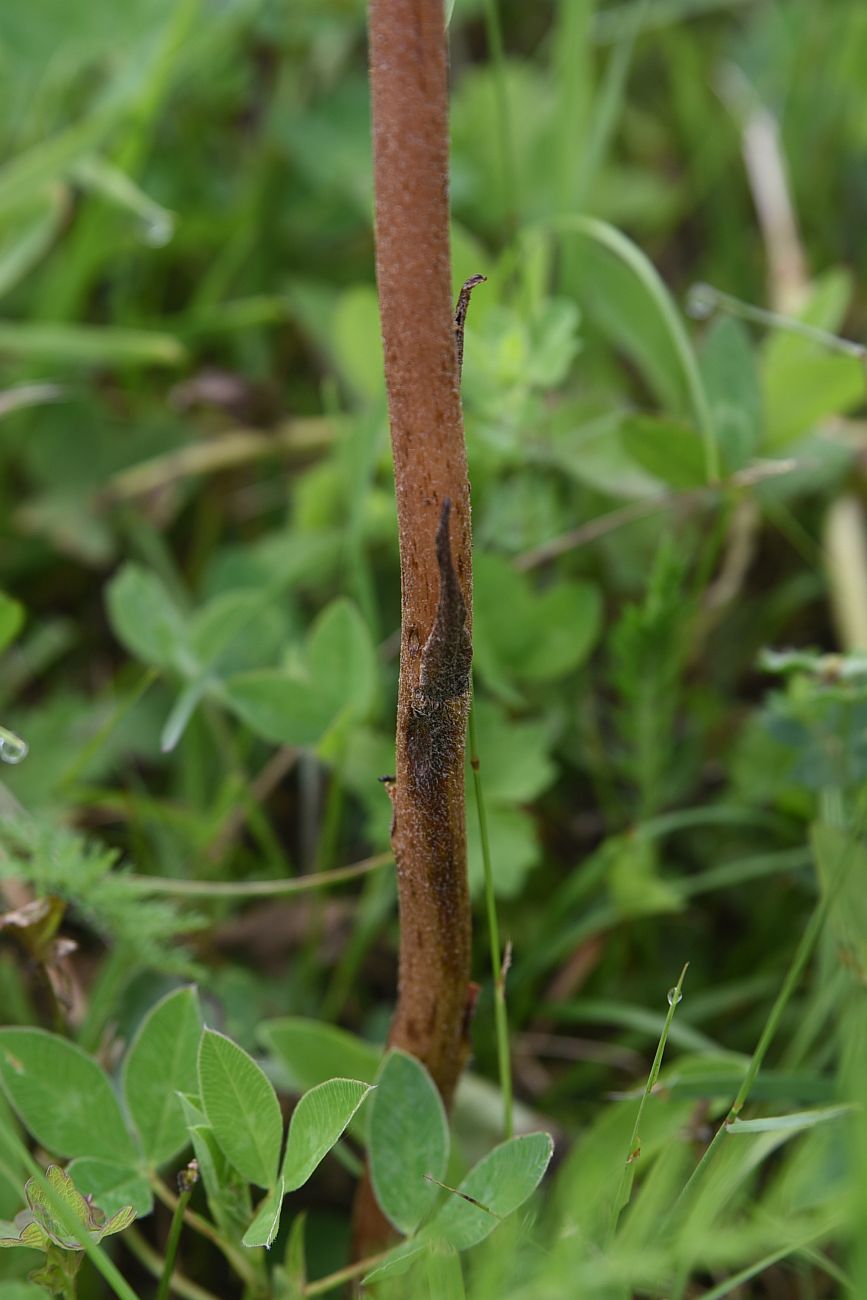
(259, 888)
(323, 1285)
(187, 1182)
(804, 951)
(152, 1261)
(195, 1221)
(504, 120)
(499, 959)
(627, 1173)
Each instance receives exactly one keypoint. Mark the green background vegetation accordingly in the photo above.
(198, 546)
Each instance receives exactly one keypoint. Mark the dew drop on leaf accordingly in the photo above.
(12, 748)
(700, 302)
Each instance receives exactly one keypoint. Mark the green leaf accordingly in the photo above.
(520, 634)
(317, 1122)
(88, 345)
(342, 660)
(278, 706)
(112, 1186)
(46, 1215)
(408, 1139)
(228, 633)
(227, 1193)
(623, 290)
(356, 340)
(160, 1063)
(33, 171)
(637, 888)
(336, 686)
(117, 1222)
(11, 619)
(671, 452)
(62, 1096)
(513, 846)
(501, 1182)
(145, 619)
(588, 447)
(794, 1123)
(295, 1260)
(804, 384)
(101, 177)
(31, 1235)
(398, 1262)
(514, 755)
(241, 1107)
(802, 381)
(731, 378)
(290, 1281)
(313, 1051)
(569, 617)
(29, 233)
(266, 1223)
(841, 861)
(75, 1220)
(180, 713)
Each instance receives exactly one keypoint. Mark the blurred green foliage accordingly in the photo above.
(200, 584)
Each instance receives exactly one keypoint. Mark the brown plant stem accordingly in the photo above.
(410, 146)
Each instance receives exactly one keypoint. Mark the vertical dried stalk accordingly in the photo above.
(410, 139)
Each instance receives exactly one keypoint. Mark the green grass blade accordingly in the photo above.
(497, 956)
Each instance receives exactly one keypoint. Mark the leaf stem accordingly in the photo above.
(186, 1181)
(206, 1229)
(258, 888)
(494, 34)
(703, 300)
(324, 1284)
(627, 1173)
(148, 1257)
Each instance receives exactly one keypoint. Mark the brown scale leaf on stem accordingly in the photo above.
(447, 654)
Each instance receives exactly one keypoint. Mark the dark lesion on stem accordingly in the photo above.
(461, 310)
(448, 652)
(439, 701)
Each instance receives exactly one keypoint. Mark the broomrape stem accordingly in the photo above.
(409, 110)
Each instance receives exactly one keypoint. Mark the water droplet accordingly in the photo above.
(12, 748)
(674, 996)
(701, 302)
(157, 231)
